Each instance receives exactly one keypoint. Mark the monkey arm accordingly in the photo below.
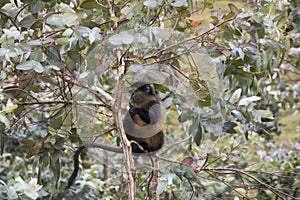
(142, 113)
(151, 116)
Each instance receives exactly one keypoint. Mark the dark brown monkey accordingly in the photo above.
(144, 123)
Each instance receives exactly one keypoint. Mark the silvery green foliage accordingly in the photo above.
(59, 61)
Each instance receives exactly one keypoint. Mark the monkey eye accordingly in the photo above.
(148, 88)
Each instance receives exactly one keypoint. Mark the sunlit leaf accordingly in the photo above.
(121, 38)
(234, 9)
(60, 20)
(4, 120)
(239, 116)
(28, 65)
(247, 100)
(11, 192)
(238, 192)
(10, 107)
(235, 96)
(151, 3)
(179, 3)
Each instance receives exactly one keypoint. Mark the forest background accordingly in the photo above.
(227, 74)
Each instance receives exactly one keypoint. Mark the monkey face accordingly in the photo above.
(142, 95)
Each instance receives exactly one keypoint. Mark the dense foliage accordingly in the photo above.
(221, 88)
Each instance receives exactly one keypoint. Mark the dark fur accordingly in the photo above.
(144, 111)
(76, 166)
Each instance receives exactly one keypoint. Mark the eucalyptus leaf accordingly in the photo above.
(180, 3)
(229, 127)
(161, 187)
(62, 41)
(247, 100)
(115, 39)
(198, 136)
(38, 67)
(35, 6)
(151, 3)
(235, 96)
(89, 4)
(28, 65)
(122, 38)
(4, 120)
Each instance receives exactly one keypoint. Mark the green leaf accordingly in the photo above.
(31, 64)
(127, 38)
(11, 192)
(246, 101)
(161, 187)
(62, 41)
(3, 51)
(209, 4)
(26, 66)
(115, 40)
(27, 21)
(185, 115)
(239, 116)
(235, 96)
(198, 136)
(60, 20)
(151, 3)
(38, 67)
(229, 16)
(4, 120)
(89, 4)
(234, 9)
(3, 2)
(35, 6)
(229, 127)
(94, 35)
(180, 3)
(122, 38)
(38, 55)
(155, 76)
(196, 130)
(55, 168)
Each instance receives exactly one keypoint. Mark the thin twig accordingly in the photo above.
(61, 102)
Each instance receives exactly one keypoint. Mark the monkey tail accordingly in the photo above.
(76, 166)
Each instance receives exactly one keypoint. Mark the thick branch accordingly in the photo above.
(128, 158)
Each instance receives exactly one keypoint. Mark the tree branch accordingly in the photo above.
(128, 158)
(159, 52)
(61, 102)
(237, 171)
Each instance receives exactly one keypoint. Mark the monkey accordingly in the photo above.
(143, 123)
